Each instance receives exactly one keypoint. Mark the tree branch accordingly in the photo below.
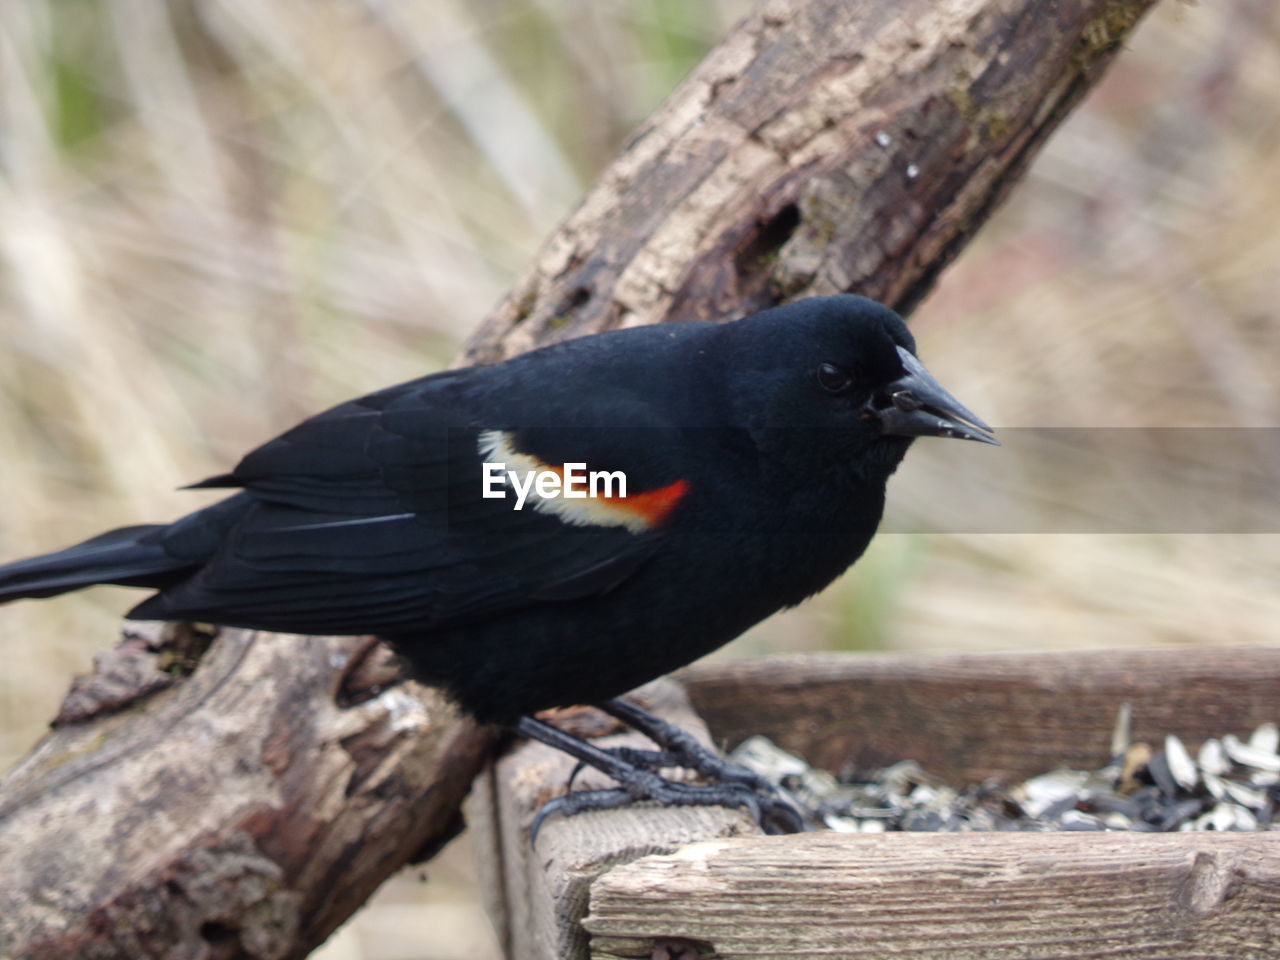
(823, 147)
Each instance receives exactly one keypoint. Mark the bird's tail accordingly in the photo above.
(130, 556)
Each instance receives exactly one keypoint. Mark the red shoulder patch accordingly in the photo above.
(652, 506)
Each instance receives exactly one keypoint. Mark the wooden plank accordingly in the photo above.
(537, 897)
(972, 716)
(946, 897)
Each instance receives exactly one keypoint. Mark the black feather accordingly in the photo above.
(369, 518)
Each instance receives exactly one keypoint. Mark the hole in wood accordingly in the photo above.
(211, 931)
(759, 256)
(575, 300)
(680, 948)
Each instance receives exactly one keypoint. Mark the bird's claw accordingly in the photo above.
(574, 803)
(636, 771)
(669, 793)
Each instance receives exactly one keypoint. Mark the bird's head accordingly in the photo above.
(840, 374)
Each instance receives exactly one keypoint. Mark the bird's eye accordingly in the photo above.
(834, 379)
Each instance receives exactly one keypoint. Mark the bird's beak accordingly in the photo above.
(917, 405)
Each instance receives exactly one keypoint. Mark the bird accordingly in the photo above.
(563, 526)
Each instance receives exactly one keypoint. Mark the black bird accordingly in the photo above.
(754, 453)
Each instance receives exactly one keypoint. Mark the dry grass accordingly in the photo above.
(218, 217)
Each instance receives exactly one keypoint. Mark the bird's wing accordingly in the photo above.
(369, 519)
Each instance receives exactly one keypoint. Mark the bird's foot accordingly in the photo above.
(684, 748)
(653, 760)
(637, 773)
(699, 759)
(774, 815)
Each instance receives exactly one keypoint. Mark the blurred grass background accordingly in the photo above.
(218, 217)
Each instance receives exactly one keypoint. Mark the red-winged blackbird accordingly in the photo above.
(754, 456)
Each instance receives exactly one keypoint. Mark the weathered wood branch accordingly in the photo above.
(825, 146)
(243, 810)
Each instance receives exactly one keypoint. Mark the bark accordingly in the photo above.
(244, 810)
(824, 146)
(242, 801)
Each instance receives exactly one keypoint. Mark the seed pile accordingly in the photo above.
(1230, 784)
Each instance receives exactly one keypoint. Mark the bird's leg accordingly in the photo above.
(638, 783)
(689, 752)
(653, 760)
(683, 747)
